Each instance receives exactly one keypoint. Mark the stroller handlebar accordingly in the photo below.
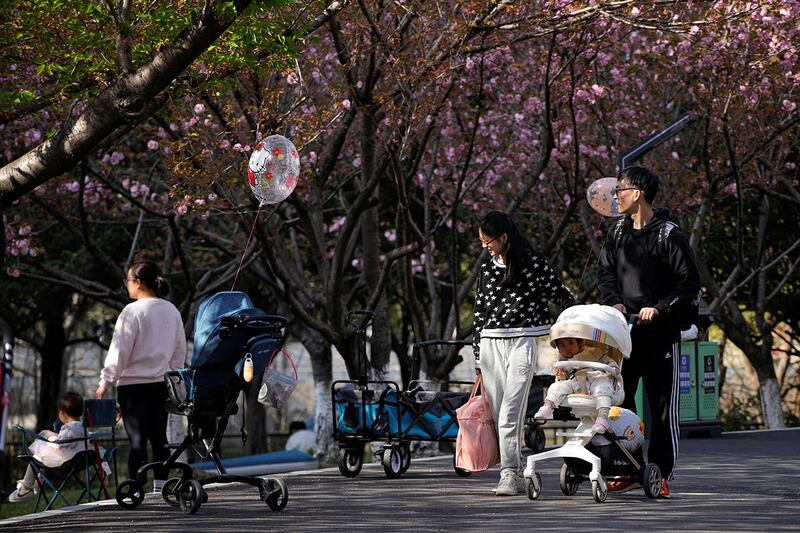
(585, 364)
(265, 322)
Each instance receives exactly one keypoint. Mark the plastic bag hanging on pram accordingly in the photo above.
(277, 386)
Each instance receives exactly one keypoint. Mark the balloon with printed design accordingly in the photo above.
(600, 195)
(273, 169)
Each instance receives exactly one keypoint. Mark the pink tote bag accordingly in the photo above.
(476, 444)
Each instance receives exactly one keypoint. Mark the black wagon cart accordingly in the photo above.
(367, 411)
(428, 408)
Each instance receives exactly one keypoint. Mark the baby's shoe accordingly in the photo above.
(600, 425)
(545, 411)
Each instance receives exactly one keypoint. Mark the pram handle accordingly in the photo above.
(578, 365)
(265, 321)
(366, 321)
(585, 364)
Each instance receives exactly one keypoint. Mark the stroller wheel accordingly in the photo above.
(651, 480)
(350, 461)
(460, 472)
(170, 491)
(392, 462)
(568, 480)
(405, 457)
(130, 494)
(190, 496)
(599, 490)
(534, 438)
(275, 493)
(533, 488)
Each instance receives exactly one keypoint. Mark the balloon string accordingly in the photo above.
(247, 244)
(586, 263)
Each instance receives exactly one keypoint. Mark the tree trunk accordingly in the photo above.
(771, 403)
(255, 416)
(55, 340)
(322, 368)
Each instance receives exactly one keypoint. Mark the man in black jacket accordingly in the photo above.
(647, 267)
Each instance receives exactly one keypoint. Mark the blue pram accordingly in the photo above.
(227, 328)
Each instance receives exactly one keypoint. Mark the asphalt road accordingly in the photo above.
(746, 481)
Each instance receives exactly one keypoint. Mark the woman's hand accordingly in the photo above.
(100, 392)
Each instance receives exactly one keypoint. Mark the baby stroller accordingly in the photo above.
(227, 330)
(587, 456)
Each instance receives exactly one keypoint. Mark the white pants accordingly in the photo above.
(600, 388)
(507, 368)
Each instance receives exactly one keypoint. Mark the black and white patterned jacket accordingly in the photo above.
(520, 309)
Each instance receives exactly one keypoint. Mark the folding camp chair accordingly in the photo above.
(87, 468)
(100, 422)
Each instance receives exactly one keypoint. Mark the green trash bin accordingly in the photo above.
(698, 385)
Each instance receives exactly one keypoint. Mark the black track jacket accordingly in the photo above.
(648, 267)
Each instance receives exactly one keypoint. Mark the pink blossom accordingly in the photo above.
(199, 108)
(13, 272)
(291, 78)
(224, 144)
(346, 104)
(181, 209)
(789, 106)
(152, 144)
(635, 11)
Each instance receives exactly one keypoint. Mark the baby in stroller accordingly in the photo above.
(595, 452)
(601, 384)
(230, 334)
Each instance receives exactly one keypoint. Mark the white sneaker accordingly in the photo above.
(511, 483)
(20, 493)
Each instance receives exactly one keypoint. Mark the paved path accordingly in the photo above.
(748, 481)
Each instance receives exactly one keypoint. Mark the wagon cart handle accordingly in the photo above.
(368, 317)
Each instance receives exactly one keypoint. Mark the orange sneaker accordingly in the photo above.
(664, 489)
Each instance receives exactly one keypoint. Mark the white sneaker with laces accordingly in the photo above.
(20, 493)
(511, 483)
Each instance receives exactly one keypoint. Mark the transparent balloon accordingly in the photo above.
(273, 169)
(600, 195)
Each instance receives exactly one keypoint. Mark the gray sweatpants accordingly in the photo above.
(507, 366)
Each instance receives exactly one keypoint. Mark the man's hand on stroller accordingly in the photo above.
(647, 315)
(561, 374)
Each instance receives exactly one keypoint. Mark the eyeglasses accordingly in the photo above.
(130, 279)
(487, 243)
(618, 190)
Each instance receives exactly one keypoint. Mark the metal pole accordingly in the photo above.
(654, 139)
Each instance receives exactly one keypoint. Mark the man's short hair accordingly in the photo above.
(642, 179)
(72, 404)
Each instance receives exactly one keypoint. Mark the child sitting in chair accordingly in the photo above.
(50, 451)
(584, 380)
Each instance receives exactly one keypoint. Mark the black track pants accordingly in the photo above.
(145, 420)
(654, 358)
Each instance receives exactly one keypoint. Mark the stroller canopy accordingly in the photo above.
(593, 322)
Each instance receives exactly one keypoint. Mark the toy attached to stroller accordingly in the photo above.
(228, 330)
(589, 455)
